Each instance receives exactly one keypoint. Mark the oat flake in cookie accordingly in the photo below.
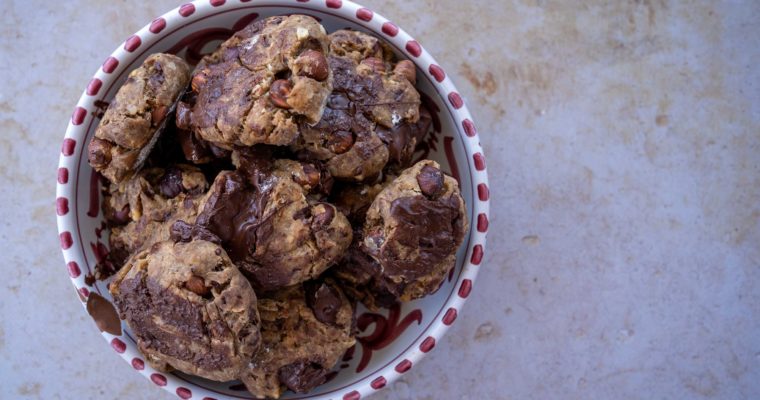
(262, 82)
(410, 238)
(133, 121)
(190, 309)
(305, 329)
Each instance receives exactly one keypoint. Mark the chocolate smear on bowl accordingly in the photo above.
(104, 314)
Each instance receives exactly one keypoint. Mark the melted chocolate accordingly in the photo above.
(172, 325)
(324, 301)
(432, 226)
(302, 376)
(104, 314)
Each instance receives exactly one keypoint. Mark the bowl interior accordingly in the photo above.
(390, 340)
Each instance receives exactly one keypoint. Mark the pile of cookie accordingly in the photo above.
(255, 199)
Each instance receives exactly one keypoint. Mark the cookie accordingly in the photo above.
(262, 82)
(270, 226)
(305, 330)
(142, 209)
(133, 121)
(371, 117)
(409, 240)
(190, 309)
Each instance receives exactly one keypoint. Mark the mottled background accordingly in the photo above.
(623, 145)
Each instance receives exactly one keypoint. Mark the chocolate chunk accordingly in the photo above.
(302, 376)
(425, 224)
(170, 183)
(104, 314)
(324, 301)
(181, 231)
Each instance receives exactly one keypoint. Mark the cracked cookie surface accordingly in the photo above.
(372, 117)
(189, 308)
(134, 119)
(409, 240)
(305, 330)
(262, 82)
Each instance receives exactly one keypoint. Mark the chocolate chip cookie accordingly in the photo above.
(261, 83)
(142, 209)
(371, 117)
(133, 121)
(270, 226)
(305, 330)
(189, 308)
(409, 240)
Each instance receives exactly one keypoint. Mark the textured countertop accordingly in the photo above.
(623, 146)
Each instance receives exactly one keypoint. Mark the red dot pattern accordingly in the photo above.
(450, 316)
(465, 288)
(483, 192)
(110, 64)
(482, 223)
(427, 344)
(67, 148)
(378, 383)
(403, 366)
(480, 161)
(73, 269)
(364, 14)
(183, 392)
(456, 100)
(94, 86)
(186, 10)
(413, 48)
(477, 255)
(84, 292)
(138, 364)
(157, 25)
(390, 29)
(437, 72)
(62, 206)
(118, 345)
(63, 175)
(469, 128)
(66, 240)
(132, 43)
(352, 396)
(158, 379)
(78, 116)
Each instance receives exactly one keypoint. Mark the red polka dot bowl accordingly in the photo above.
(390, 342)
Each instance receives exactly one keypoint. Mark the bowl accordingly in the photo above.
(390, 342)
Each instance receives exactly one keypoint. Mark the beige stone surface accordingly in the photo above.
(623, 146)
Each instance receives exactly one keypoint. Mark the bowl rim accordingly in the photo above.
(74, 146)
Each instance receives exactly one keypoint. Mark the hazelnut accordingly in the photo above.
(310, 176)
(313, 64)
(99, 153)
(323, 218)
(375, 64)
(196, 285)
(340, 142)
(199, 79)
(158, 114)
(279, 92)
(430, 180)
(406, 69)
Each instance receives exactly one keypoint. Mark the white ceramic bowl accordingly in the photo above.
(392, 341)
